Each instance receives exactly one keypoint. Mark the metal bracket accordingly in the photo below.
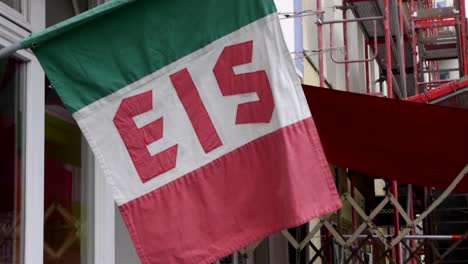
(376, 48)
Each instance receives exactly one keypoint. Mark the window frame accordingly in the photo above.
(32, 77)
(104, 205)
(22, 18)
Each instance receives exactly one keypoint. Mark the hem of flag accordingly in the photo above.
(246, 242)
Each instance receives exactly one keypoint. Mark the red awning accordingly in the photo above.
(415, 143)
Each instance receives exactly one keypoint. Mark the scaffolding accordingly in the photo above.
(412, 42)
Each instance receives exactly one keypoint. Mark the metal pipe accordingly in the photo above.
(9, 50)
(427, 227)
(414, 39)
(434, 67)
(360, 19)
(429, 76)
(435, 83)
(376, 48)
(420, 24)
(368, 85)
(388, 48)
(401, 18)
(353, 195)
(76, 7)
(441, 99)
(396, 88)
(408, 200)
(417, 237)
(463, 36)
(345, 43)
(441, 91)
(413, 244)
(330, 248)
(397, 223)
(340, 213)
(320, 43)
(450, 17)
(441, 70)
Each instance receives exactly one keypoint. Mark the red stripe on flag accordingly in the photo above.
(273, 183)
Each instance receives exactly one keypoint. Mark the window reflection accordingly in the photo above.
(10, 162)
(65, 186)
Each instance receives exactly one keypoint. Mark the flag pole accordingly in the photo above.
(7, 51)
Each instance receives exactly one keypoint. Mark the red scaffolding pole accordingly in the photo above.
(368, 84)
(440, 92)
(401, 42)
(388, 48)
(320, 44)
(414, 44)
(463, 36)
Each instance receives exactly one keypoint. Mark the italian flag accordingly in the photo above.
(197, 119)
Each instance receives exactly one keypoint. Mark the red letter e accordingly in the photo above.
(137, 139)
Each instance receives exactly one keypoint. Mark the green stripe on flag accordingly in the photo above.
(94, 60)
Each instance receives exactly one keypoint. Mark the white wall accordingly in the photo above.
(292, 30)
(356, 41)
(287, 24)
(335, 73)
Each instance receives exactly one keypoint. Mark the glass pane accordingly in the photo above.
(10, 162)
(65, 194)
(15, 4)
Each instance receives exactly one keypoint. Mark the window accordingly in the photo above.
(15, 4)
(10, 162)
(67, 219)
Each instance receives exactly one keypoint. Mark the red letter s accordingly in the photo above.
(259, 111)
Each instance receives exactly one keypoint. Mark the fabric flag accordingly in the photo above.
(197, 119)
